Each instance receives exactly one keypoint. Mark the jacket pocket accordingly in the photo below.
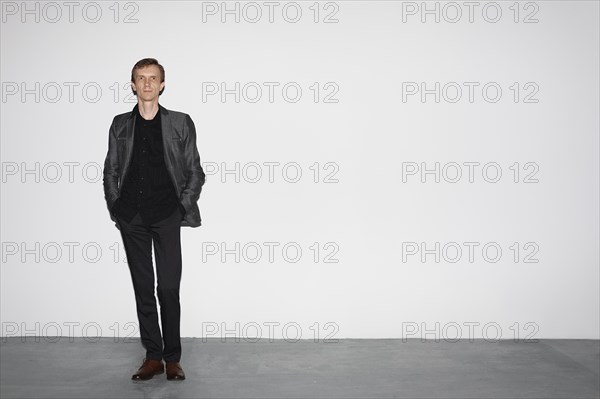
(177, 142)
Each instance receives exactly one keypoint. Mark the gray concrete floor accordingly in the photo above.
(350, 368)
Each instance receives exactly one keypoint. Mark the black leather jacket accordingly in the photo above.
(181, 159)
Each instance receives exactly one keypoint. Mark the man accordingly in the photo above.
(152, 182)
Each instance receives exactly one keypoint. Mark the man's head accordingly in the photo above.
(147, 79)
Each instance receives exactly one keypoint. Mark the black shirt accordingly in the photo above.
(147, 189)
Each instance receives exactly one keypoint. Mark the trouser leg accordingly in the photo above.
(167, 252)
(137, 240)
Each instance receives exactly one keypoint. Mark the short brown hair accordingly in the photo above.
(147, 62)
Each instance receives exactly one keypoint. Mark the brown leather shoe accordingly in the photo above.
(174, 371)
(149, 369)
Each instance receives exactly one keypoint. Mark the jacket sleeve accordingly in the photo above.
(111, 169)
(195, 176)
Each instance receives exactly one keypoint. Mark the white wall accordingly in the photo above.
(545, 223)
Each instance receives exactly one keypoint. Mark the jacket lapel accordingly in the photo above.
(167, 133)
(129, 135)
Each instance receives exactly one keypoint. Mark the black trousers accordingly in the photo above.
(138, 239)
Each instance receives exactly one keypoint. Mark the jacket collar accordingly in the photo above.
(165, 123)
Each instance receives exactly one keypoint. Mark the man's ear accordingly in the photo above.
(133, 88)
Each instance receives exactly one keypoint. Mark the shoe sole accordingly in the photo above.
(175, 378)
(133, 378)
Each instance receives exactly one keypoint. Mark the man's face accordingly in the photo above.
(147, 83)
